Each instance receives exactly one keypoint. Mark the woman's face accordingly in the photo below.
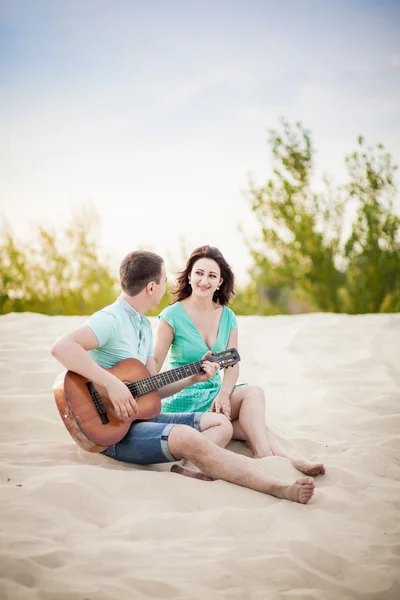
(205, 277)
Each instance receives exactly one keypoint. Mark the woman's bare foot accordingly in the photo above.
(309, 468)
(265, 454)
(195, 473)
(301, 491)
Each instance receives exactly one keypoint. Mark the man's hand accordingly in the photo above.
(222, 404)
(208, 370)
(121, 398)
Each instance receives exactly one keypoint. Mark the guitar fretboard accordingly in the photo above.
(155, 382)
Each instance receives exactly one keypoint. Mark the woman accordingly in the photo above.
(199, 321)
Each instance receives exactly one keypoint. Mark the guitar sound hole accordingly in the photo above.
(97, 401)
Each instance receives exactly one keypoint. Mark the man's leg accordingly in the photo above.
(218, 463)
(248, 420)
(150, 442)
(215, 427)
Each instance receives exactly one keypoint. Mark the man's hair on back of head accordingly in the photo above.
(138, 269)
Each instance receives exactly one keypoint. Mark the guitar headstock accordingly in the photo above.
(225, 358)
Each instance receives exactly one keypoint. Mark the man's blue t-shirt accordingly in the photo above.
(122, 332)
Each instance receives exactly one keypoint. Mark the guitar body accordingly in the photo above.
(87, 411)
(81, 417)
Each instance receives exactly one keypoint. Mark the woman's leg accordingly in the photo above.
(260, 438)
(248, 419)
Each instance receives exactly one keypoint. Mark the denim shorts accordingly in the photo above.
(147, 441)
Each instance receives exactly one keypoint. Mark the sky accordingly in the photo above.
(157, 112)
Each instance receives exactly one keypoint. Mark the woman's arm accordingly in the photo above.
(231, 374)
(164, 338)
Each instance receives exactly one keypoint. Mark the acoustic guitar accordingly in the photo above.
(87, 411)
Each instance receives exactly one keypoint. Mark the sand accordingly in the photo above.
(81, 526)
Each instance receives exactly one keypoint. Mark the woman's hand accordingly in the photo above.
(208, 370)
(222, 404)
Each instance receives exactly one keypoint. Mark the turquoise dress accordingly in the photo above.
(189, 346)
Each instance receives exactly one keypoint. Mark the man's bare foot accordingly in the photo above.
(302, 491)
(309, 468)
(190, 473)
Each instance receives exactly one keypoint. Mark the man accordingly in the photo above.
(122, 331)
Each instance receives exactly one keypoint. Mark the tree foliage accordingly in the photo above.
(303, 251)
(336, 250)
(58, 272)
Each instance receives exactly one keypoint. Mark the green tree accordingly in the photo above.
(373, 249)
(58, 273)
(302, 253)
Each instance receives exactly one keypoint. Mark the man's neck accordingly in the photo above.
(139, 302)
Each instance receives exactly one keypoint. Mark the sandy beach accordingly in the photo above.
(78, 526)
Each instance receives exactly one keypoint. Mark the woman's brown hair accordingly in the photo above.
(226, 290)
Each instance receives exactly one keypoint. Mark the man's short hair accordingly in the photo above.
(138, 269)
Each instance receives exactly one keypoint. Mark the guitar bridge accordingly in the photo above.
(97, 401)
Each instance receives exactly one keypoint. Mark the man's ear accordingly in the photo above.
(150, 287)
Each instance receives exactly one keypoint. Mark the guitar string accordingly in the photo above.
(147, 384)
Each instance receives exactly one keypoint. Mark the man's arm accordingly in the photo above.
(71, 350)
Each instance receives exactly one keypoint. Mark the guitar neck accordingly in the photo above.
(155, 382)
